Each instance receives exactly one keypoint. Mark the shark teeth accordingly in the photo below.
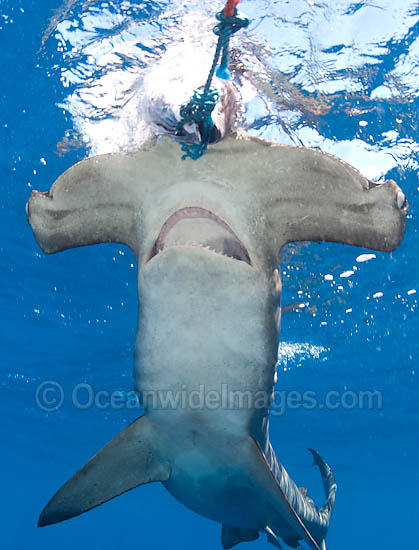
(207, 230)
(194, 245)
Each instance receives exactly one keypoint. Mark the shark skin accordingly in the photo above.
(206, 236)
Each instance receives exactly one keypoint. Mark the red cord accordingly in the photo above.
(230, 7)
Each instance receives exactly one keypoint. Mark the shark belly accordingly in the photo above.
(206, 478)
(209, 381)
(193, 356)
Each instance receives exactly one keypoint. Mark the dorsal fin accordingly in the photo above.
(230, 536)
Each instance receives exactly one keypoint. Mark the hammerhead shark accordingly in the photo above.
(206, 236)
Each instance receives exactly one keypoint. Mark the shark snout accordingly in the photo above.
(396, 194)
(388, 215)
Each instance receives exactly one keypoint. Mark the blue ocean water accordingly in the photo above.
(342, 76)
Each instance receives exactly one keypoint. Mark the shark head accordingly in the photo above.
(246, 198)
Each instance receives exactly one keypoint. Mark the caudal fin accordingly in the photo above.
(329, 485)
(283, 512)
(127, 461)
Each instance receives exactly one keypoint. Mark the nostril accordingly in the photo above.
(373, 184)
(401, 199)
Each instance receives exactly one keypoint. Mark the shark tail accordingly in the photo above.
(330, 486)
(282, 510)
(127, 461)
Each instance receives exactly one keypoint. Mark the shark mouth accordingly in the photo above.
(194, 226)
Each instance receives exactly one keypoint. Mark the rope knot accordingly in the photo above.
(201, 104)
(198, 111)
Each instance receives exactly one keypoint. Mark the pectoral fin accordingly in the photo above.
(124, 463)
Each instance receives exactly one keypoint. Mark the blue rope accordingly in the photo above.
(201, 104)
(224, 29)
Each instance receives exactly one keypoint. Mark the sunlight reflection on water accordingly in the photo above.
(298, 62)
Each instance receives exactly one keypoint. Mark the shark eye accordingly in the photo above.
(401, 200)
